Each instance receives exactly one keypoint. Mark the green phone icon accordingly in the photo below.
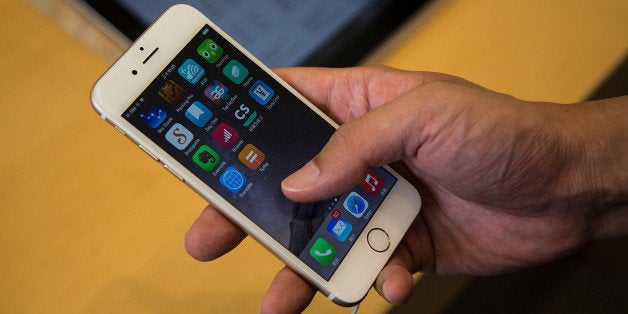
(322, 251)
(209, 50)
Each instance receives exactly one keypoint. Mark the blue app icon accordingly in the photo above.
(356, 204)
(233, 179)
(261, 92)
(198, 114)
(191, 71)
(153, 117)
(339, 228)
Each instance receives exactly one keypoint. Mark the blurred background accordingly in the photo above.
(91, 225)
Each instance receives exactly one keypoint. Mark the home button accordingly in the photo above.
(378, 240)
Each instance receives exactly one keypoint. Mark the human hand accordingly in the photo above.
(504, 182)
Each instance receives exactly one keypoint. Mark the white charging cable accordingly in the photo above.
(356, 308)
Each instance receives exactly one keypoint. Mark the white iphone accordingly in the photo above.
(227, 126)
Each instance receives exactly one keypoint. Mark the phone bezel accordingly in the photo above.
(118, 88)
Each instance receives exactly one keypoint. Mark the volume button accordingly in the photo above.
(119, 129)
(173, 173)
(148, 152)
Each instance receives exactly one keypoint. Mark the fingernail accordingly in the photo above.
(385, 291)
(389, 295)
(301, 179)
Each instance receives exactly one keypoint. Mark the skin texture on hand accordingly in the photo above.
(505, 183)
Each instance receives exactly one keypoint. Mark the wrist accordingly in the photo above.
(597, 138)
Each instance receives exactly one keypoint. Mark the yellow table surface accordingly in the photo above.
(92, 225)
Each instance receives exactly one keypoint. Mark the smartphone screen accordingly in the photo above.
(238, 130)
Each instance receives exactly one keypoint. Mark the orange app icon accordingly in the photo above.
(251, 156)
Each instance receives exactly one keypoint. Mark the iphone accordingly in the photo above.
(223, 123)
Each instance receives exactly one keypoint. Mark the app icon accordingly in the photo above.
(198, 114)
(372, 183)
(235, 71)
(225, 135)
(191, 71)
(209, 50)
(179, 136)
(153, 117)
(322, 251)
(356, 204)
(217, 92)
(250, 119)
(232, 179)
(243, 112)
(206, 158)
(261, 92)
(251, 156)
(339, 228)
(172, 93)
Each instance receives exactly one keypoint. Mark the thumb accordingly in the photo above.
(378, 137)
